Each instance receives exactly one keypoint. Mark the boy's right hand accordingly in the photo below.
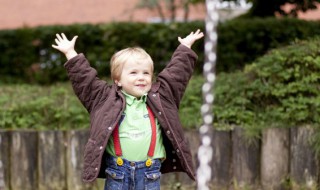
(65, 46)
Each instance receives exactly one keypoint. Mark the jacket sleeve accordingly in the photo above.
(87, 86)
(176, 75)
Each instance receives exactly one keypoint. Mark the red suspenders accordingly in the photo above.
(117, 146)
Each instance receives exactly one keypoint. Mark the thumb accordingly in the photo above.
(74, 39)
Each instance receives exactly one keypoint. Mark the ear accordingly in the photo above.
(117, 82)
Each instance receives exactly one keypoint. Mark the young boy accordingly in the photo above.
(135, 132)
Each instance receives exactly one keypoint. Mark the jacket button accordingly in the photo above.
(173, 152)
(174, 160)
(101, 147)
(178, 151)
(154, 95)
(174, 167)
(168, 132)
(109, 128)
(96, 169)
(159, 112)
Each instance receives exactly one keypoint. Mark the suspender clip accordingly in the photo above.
(119, 161)
(148, 162)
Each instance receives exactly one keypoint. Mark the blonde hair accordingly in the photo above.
(135, 54)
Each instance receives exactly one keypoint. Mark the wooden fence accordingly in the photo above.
(52, 160)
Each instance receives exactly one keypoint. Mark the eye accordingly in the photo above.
(133, 72)
(146, 73)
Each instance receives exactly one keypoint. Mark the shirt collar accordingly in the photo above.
(131, 99)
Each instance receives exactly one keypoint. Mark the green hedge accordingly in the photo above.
(241, 41)
(280, 89)
(41, 107)
(56, 106)
(27, 56)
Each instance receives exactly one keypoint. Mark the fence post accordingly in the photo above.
(303, 163)
(24, 159)
(76, 141)
(221, 158)
(245, 160)
(193, 138)
(52, 155)
(4, 159)
(275, 158)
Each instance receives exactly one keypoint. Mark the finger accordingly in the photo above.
(200, 34)
(59, 37)
(57, 41)
(198, 37)
(64, 36)
(74, 39)
(55, 47)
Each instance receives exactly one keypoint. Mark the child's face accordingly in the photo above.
(136, 78)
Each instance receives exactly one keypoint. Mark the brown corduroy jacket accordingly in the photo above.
(105, 103)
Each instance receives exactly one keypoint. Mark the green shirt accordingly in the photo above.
(135, 132)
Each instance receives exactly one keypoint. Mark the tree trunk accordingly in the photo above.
(160, 12)
(186, 11)
(172, 8)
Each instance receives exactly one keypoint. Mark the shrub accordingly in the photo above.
(241, 41)
(280, 89)
(27, 55)
(40, 107)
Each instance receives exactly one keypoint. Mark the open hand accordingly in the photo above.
(65, 46)
(191, 38)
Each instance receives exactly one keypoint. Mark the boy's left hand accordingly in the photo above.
(191, 38)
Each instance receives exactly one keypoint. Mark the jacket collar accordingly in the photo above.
(130, 99)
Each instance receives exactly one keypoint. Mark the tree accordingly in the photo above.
(152, 5)
(269, 8)
(170, 6)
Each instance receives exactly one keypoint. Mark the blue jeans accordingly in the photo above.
(132, 175)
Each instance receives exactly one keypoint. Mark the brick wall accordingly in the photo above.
(20, 13)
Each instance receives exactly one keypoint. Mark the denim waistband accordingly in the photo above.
(112, 161)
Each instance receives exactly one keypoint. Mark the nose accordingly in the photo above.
(140, 77)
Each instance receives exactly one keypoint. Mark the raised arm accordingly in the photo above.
(87, 86)
(175, 77)
(66, 46)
